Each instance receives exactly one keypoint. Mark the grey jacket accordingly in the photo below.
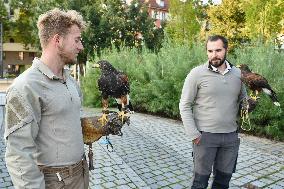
(42, 124)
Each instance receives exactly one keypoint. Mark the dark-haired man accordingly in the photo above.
(209, 108)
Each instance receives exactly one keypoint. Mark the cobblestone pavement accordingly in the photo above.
(154, 153)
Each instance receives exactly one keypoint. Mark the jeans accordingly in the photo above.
(217, 151)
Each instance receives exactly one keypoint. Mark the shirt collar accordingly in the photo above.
(214, 69)
(44, 69)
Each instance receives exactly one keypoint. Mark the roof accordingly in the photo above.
(18, 47)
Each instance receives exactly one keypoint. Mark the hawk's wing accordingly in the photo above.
(256, 81)
(122, 81)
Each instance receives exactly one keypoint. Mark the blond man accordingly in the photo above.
(45, 146)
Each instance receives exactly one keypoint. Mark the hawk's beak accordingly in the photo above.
(238, 66)
(96, 66)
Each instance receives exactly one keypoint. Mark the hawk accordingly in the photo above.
(113, 83)
(257, 83)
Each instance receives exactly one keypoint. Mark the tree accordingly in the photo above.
(23, 27)
(114, 24)
(111, 23)
(4, 19)
(228, 19)
(104, 29)
(263, 18)
(141, 28)
(183, 25)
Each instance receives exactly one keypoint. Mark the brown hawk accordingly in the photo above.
(257, 83)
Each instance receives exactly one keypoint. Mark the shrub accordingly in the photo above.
(157, 80)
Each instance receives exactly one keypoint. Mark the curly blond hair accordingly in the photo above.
(57, 21)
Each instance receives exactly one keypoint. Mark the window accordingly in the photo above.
(163, 16)
(161, 3)
(11, 13)
(21, 55)
(154, 14)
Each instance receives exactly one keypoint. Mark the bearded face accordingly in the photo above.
(216, 53)
(66, 56)
(71, 46)
(216, 61)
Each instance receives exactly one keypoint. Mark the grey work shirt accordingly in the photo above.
(42, 124)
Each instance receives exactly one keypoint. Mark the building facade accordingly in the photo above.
(17, 58)
(157, 9)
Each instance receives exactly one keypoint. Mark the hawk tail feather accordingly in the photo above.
(272, 95)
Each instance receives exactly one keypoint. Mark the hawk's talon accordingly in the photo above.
(103, 120)
(123, 115)
(254, 97)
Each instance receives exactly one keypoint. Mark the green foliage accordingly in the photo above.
(245, 21)
(22, 27)
(228, 19)
(267, 119)
(114, 24)
(5, 21)
(90, 88)
(3, 11)
(111, 23)
(183, 26)
(263, 18)
(157, 81)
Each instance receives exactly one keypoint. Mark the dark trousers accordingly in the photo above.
(217, 151)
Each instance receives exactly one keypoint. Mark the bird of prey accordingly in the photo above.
(113, 83)
(257, 83)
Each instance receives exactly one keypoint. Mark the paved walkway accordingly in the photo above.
(155, 153)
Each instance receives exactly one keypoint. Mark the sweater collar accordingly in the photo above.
(214, 69)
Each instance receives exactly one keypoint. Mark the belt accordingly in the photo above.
(68, 170)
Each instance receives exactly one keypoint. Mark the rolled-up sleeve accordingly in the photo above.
(186, 104)
(21, 130)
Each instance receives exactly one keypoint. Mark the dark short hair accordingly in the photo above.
(216, 38)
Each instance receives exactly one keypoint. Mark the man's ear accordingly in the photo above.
(56, 39)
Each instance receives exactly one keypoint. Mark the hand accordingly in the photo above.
(197, 140)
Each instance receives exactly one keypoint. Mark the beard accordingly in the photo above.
(65, 57)
(216, 62)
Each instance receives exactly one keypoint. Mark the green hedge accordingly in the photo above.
(157, 80)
